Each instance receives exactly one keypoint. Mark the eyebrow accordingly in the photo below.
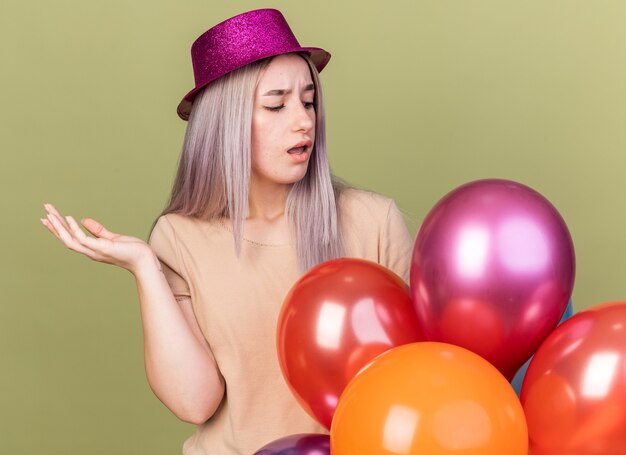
(280, 92)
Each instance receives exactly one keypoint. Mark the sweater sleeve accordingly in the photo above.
(164, 243)
(396, 244)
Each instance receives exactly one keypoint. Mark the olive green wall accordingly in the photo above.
(422, 96)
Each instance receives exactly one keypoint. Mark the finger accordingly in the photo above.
(49, 226)
(61, 229)
(94, 244)
(66, 237)
(75, 230)
(51, 209)
(98, 229)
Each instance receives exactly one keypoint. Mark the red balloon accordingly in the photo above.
(575, 387)
(338, 317)
(492, 271)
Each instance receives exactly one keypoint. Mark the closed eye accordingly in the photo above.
(306, 104)
(274, 108)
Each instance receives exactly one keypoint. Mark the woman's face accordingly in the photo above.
(283, 121)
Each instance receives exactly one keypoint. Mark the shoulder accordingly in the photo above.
(364, 213)
(374, 228)
(182, 223)
(170, 225)
(354, 202)
(173, 221)
(183, 229)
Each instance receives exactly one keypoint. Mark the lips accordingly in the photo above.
(300, 147)
(297, 150)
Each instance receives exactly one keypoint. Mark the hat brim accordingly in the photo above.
(318, 56)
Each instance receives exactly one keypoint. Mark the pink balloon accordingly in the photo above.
(493, 271)
(298, 444)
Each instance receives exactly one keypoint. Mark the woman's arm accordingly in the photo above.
(179, 365)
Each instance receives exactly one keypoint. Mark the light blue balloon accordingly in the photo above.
(519, 376)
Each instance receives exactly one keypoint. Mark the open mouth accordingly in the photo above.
(297, 150)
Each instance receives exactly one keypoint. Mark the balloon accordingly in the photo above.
(492, 271)
(519, 376)
(298, 444)
(575, 387)
(335, 319)
(429, 398)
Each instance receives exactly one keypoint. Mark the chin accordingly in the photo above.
(295, 177)
(286, 177)
(291, 181)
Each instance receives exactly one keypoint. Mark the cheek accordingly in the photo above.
(265, 131)
(260, 127)
(263, 162)
(314, 120)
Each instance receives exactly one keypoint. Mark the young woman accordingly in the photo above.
(253, 206)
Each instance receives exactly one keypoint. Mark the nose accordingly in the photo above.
(304, 119)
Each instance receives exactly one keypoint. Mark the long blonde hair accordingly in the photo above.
(213, 176)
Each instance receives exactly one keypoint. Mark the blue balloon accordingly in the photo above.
(521, 373)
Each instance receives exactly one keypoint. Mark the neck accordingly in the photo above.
(267, 201)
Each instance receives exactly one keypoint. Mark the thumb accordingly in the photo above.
(97, 229)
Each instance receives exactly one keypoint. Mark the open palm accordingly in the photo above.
(104, 246)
